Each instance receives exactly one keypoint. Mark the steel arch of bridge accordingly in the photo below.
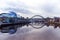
(36, 16)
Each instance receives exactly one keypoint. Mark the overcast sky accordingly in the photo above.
(32, 7)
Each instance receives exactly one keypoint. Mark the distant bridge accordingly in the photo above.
(36, 16)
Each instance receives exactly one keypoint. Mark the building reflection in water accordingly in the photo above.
(10, 29)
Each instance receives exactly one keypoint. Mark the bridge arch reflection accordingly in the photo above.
(37, 21)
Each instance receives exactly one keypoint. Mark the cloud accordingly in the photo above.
(51, 8)
(48, 8)
(15, 6)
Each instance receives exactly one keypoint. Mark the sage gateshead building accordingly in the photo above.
(10, 17)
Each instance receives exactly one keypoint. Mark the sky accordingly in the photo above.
(29, 8)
